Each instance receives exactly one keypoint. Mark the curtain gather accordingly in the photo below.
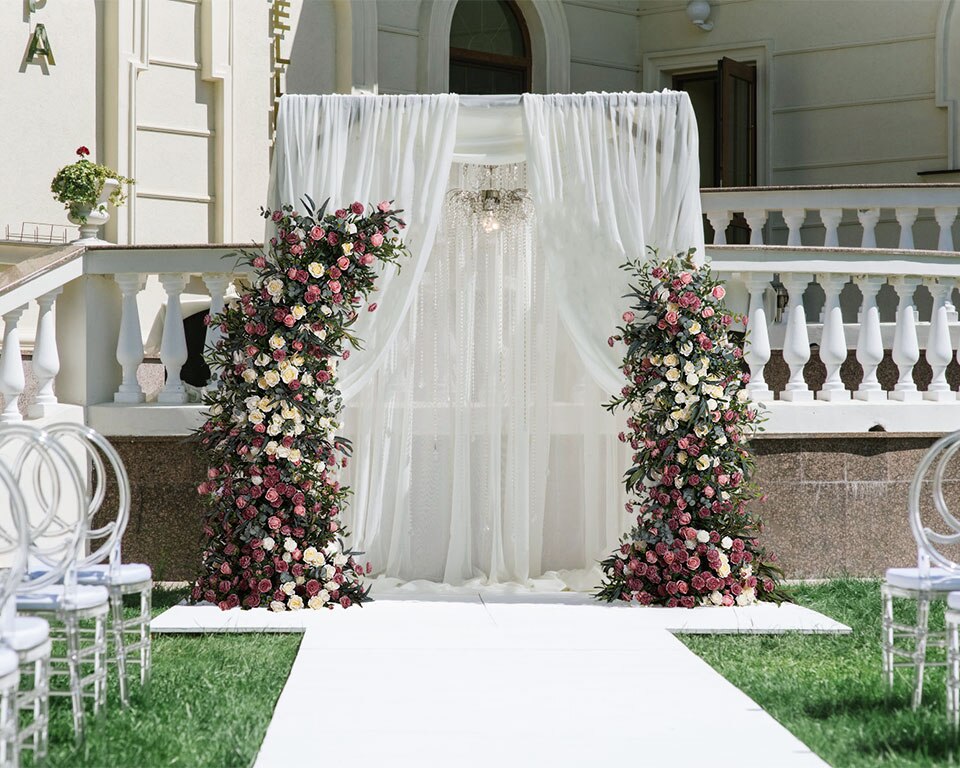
(370, 148)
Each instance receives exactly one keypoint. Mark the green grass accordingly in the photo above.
(828, 690)
(209, 703)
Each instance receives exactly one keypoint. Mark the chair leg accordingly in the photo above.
(119, 651)
(73, 664)
(887, 638)
(100, 664)
(920, 653)
(146, 608)
(952, 669)
(41, 708)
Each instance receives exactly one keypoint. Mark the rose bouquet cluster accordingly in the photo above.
(272, 531)
(694, 542)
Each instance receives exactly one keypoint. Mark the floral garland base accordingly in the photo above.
(688, 417)
(272, 534)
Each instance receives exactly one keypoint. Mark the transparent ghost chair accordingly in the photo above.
(935, 576)
(14, 551)
(50, 590)
(103, 565)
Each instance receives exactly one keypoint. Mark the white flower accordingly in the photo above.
(262, 359)
(289, 544)
(347, 248)
(315, 603)
(315, 269)
(269, 543)
(249, 375)
(703, 462)
(686, 349)
(703, 536)
(256, 479)
(277, 606)
(295, 603)
(275, 287)
(271, 448)
(311, 556)
(724, 570)
(716, 598)
(726, 542)
(295, 454)
(324, 596)
(673, 374)
(682, 457)
(327, 572)
(256, 417)
(746, 597)
(671, 360)
(331, 586)
(289, 374)
(265, 403)
(694, 327)
(692, 379)
(298, 311)
(270, 378)
(288, 587)
(340, 559)
(287, 557)
(277, 341)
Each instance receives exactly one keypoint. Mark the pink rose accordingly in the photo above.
(345, 601)
(357, 208)
(367, 259)
(671, 318)
(628, 317)
(296, 250)
(340, 213)
(372, 307)
(718, 292)
(334, 286)
(707, 312)
(343, 262)
(273, 522)
(316, 233)
(264, 585)
(277, 215)
(376, 240)
(384, 206)
(686, 278)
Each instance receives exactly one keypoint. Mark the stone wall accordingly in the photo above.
(835, 505)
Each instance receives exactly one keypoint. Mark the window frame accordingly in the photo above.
(500, 61)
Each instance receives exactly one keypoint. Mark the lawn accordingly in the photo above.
(209, 704)
(828, 690)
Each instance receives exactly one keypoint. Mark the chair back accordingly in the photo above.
(54, 497)
(103, 542)
(14, 545)
(927, 481)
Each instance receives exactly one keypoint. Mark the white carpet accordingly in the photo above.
(507, 680)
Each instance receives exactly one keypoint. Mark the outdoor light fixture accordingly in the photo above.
(699, 12)
(489, 202)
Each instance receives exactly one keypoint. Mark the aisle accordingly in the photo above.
(457, 681)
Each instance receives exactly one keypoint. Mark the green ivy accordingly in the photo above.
(78, 185)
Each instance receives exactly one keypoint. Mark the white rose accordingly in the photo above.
(315, 603)
(256, 417)
(295, 454)
(315, 269)
(287, 557)
(256, 479)
(295, 603)
(311, 556)
(249, 375)
(277, 606)
(702, 463)
(289, 544)
(726, 542)
(686, 349)
(269, 543)
(692, 379)
(673, 374)
(746, 597)
(694, 327)
(324, 596)
(703, 536)
(272, 378)
(298, 311)
(327, 572)
(289, 374)
(275, 287)
(263, 359)
(277, 341)
(340, 559)
(288, 587)
(716, 598)
(671, 360)
(325, 309)
(331, 586)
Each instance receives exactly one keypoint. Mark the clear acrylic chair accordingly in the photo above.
(103, 566)
(50, 590)
(935, 576)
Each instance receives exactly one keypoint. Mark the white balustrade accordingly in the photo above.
(870, 339)
(719, 220)
(129, 340)
(46, 358)
(906, 216)
(945, 216)
(217, 284)
(906, 345)
(939, 350)
(757, 350)
(796, 343)
(756, 219)
(12, 380)
(173, 346)
(869, 218)
(794, 218)
(831, 218)
(833, 342)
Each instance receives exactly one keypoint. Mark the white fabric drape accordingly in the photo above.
(610, 174)
(370, 148)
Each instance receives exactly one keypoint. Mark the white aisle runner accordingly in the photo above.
(460, 682)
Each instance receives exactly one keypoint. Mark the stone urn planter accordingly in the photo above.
(91, 218)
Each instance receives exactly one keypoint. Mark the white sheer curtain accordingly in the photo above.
(610, 174)
(482, 455)
(370, 148)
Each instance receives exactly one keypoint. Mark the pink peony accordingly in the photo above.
(357, 208)
(671, 318)
(629, 317)
(316, 233)
(384, 206)
(376, 240)
(718, 292)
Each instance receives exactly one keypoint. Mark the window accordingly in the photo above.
(489, 48)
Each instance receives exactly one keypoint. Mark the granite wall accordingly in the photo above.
(835, 505)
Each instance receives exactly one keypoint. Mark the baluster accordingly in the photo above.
(939, 346)
(173, 345)
(945, 216)
(756, 218)
(833, 341)
(719, 220)
(12, 380)
(869, 340)
(46, 359)
(796, 341)
(757, 352)
(130, 340)
(794, 218)
(906, 346)
(831, 218)
(868, 220)
(905, 218)
(217, 286)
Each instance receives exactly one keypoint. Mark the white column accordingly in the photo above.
(796, 341)
(833, 341)
(719, 220)
(756, 219)
(794, 218)
(173, 345)
(757, 349)
(46, 359)
(831, 218)
(939, 347)
(905, 218)
(216, 283)
(129, 340)
(906, 347)
(868, 220)
(869, 340)
(945, 216)
(12, 380)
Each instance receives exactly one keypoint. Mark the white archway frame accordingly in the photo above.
(549, 41)
(948, 75)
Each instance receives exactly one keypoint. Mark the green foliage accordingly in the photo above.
(79, 185)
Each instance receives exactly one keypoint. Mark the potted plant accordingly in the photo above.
(85, 188)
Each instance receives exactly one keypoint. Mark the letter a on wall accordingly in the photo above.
(40, 46)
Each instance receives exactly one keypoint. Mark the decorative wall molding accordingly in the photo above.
(853, 103)
(947, 74)
(549, 39)
(216, 67)
(356, 45)
(852, 44)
